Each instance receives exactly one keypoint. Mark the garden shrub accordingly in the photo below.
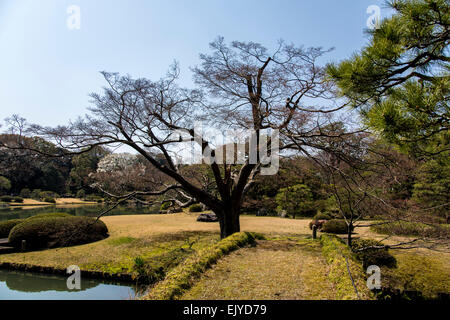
(196, 208)
(50, 200)
(6, 226)
(337, 255)
(35, 194)
(165, 206)
(335, 226)
(412, 229)
(25, 193)
(378, 257)
(81, 194)
(322, 216)
(50, 215)
(6, 198)
(18, 199)
(53, 232)
(50, 194)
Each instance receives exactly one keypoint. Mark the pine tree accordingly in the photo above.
(400, 81)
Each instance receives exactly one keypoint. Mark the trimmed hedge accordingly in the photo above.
(57, 232)
(378, 257)
(50, 215)
(335, 226)
(6, 226)
(165, 206)
(196, 208)
(6, 198)
(335, 252)
(322, 216)
(412, 229)
(49, 200)
(181, 278)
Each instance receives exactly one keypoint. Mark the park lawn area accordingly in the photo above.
(421, 270)
(153, 239)
(287, 265)
(291, 269)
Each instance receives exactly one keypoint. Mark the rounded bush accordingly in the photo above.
(57, 232)
(196, 208)
(18, 199)
(81, 194)
(50, 215)
(50, 200)
(25, 193)
(322, 216)
(379, 257)
(165, 206)
(335, 226)
(6, 198)
(6, 226)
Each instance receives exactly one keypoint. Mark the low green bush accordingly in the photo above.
(48, 194)
(50, 215)
(81, 194)
(165, 206)
(6, 226)
(412, 229)
(379, 257)
(322, 216)
(35, 194)
(335, 226)
(49, 200)
(6, 198)
(180, 278)
(53, 232)
(196, 208)
(18, 199)
(339, 257)
(25, 193)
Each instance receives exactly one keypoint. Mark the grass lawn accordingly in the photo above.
(156, 240)
(276, 269)
(288, 265)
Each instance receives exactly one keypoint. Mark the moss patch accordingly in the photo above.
(426, 274)
(270, 270)
(335, 252)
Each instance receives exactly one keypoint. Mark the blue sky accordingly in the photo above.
(47, 70)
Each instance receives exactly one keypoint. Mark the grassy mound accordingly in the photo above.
(335, 226)
(6, 226)
(322, 216)
(412, 229)
(417, 276)
(336, 252)
(368, 257)
(52, 232)
(196, 207)
(50, 215)
(181, 278)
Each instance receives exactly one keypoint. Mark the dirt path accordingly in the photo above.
(271, 270)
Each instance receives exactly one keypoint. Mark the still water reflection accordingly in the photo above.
(31, 286)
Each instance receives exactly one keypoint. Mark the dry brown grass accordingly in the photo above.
(73, 201)
(271, 270)
(141, 235)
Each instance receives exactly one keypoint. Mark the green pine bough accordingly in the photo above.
(340, 259)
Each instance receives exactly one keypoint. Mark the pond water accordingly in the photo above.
(16, 285)
(76, 210)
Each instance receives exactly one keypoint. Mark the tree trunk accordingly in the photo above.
(349, 234)
(229, 222)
